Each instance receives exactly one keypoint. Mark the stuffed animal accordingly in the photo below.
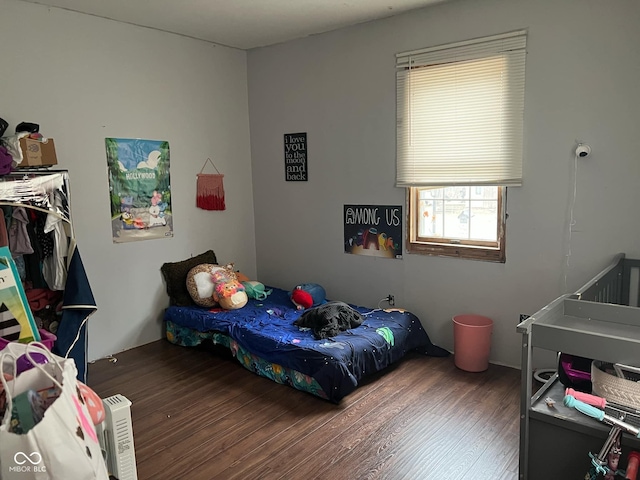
(307, 295)
(255, 290)
(242, 277)
(200, 285)
(227, 290)
(210, 285)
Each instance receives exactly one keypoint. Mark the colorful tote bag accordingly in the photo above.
(47, 432)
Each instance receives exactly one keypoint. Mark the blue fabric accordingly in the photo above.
(265, 328)
(77, 304)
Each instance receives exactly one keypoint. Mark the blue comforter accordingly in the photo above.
(266, 328)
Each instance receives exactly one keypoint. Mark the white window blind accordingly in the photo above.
(460, 112)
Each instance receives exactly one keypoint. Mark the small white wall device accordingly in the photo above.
(116, 437)
(583, 150)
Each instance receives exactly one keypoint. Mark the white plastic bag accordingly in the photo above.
(61, 446)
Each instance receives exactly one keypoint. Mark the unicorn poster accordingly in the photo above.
(140, 189)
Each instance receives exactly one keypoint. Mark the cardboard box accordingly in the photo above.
(37, 154)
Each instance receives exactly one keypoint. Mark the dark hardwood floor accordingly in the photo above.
(198, 414)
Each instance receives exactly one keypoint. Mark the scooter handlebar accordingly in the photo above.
(570, 401)
(587, 398)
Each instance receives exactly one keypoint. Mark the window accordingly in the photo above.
(461, 221)
(459, 143)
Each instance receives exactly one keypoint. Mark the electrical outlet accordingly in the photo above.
(391, 299)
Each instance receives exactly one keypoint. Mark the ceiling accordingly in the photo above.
(241, 24)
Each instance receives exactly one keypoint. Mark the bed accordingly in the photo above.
(263, 338)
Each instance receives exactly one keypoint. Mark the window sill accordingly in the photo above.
(458, 251)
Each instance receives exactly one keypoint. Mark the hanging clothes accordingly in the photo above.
(4, 234)
(54, 266)
(78, 305)
(33, 262)
(45, 196)
(19, 242)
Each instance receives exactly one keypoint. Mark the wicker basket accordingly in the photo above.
(613, 388)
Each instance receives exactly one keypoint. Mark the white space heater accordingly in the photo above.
(116, 438)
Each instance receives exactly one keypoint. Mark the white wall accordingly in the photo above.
(82, 79)
(582, 83)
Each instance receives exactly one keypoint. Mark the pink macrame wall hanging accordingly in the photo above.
(210, 190)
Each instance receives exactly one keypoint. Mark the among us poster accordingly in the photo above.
(373, 230)
(140, 189)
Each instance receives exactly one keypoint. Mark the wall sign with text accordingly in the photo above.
(295, 157)
(373, 230)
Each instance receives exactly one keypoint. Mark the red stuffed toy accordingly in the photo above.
(307, 295)
(301, 299)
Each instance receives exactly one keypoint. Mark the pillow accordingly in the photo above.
(175, 277)
(200, 284)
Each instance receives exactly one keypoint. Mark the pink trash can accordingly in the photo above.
(472, 342)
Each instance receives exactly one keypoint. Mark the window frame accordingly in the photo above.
(449, 247)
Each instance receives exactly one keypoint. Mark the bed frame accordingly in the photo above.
(600, 321)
